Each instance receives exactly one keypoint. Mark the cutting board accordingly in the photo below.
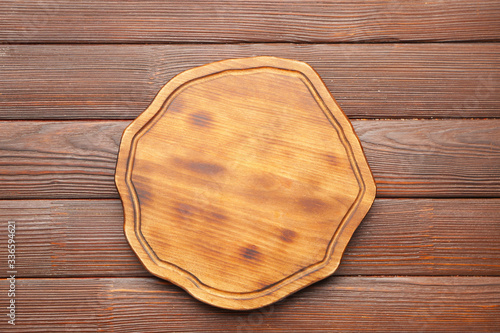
(243, 181)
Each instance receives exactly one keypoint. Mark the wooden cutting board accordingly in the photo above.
(243, 181)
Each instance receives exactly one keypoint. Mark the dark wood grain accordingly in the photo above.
(409, 158)
(460, 158)
(367, 80)
(465, 304)
(76, 238)
(248, 21)
(59, 159)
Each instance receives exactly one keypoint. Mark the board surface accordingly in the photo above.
(243, 181)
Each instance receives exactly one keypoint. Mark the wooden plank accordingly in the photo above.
(409, 158)
(71, 238)
(465, 304)
(59, 159)
(248, 21)
(367, 80)
(433, 158)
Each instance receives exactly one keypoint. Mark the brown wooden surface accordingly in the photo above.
(243, 181)
(409, 158)
(367, 80)
(380, 59)
(248, 21)
(72, 238)
(397, 304)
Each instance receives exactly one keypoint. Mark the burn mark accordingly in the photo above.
(144, 193)
(218, 216)
(214, 218)
(201, 119)
(312, 205)
(287, 235)
(185, 209)
(200, 167)
(206, 168)
(332, 160)
(250, 252)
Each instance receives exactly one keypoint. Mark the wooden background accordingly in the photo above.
(420, 81)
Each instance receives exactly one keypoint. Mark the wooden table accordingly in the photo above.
(420, 81)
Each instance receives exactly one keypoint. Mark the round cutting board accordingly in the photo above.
(243, 181)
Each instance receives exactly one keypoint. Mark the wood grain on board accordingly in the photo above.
(367, 80)
(84, 238)
(398, 304)
(409, 158)
(110, 21)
